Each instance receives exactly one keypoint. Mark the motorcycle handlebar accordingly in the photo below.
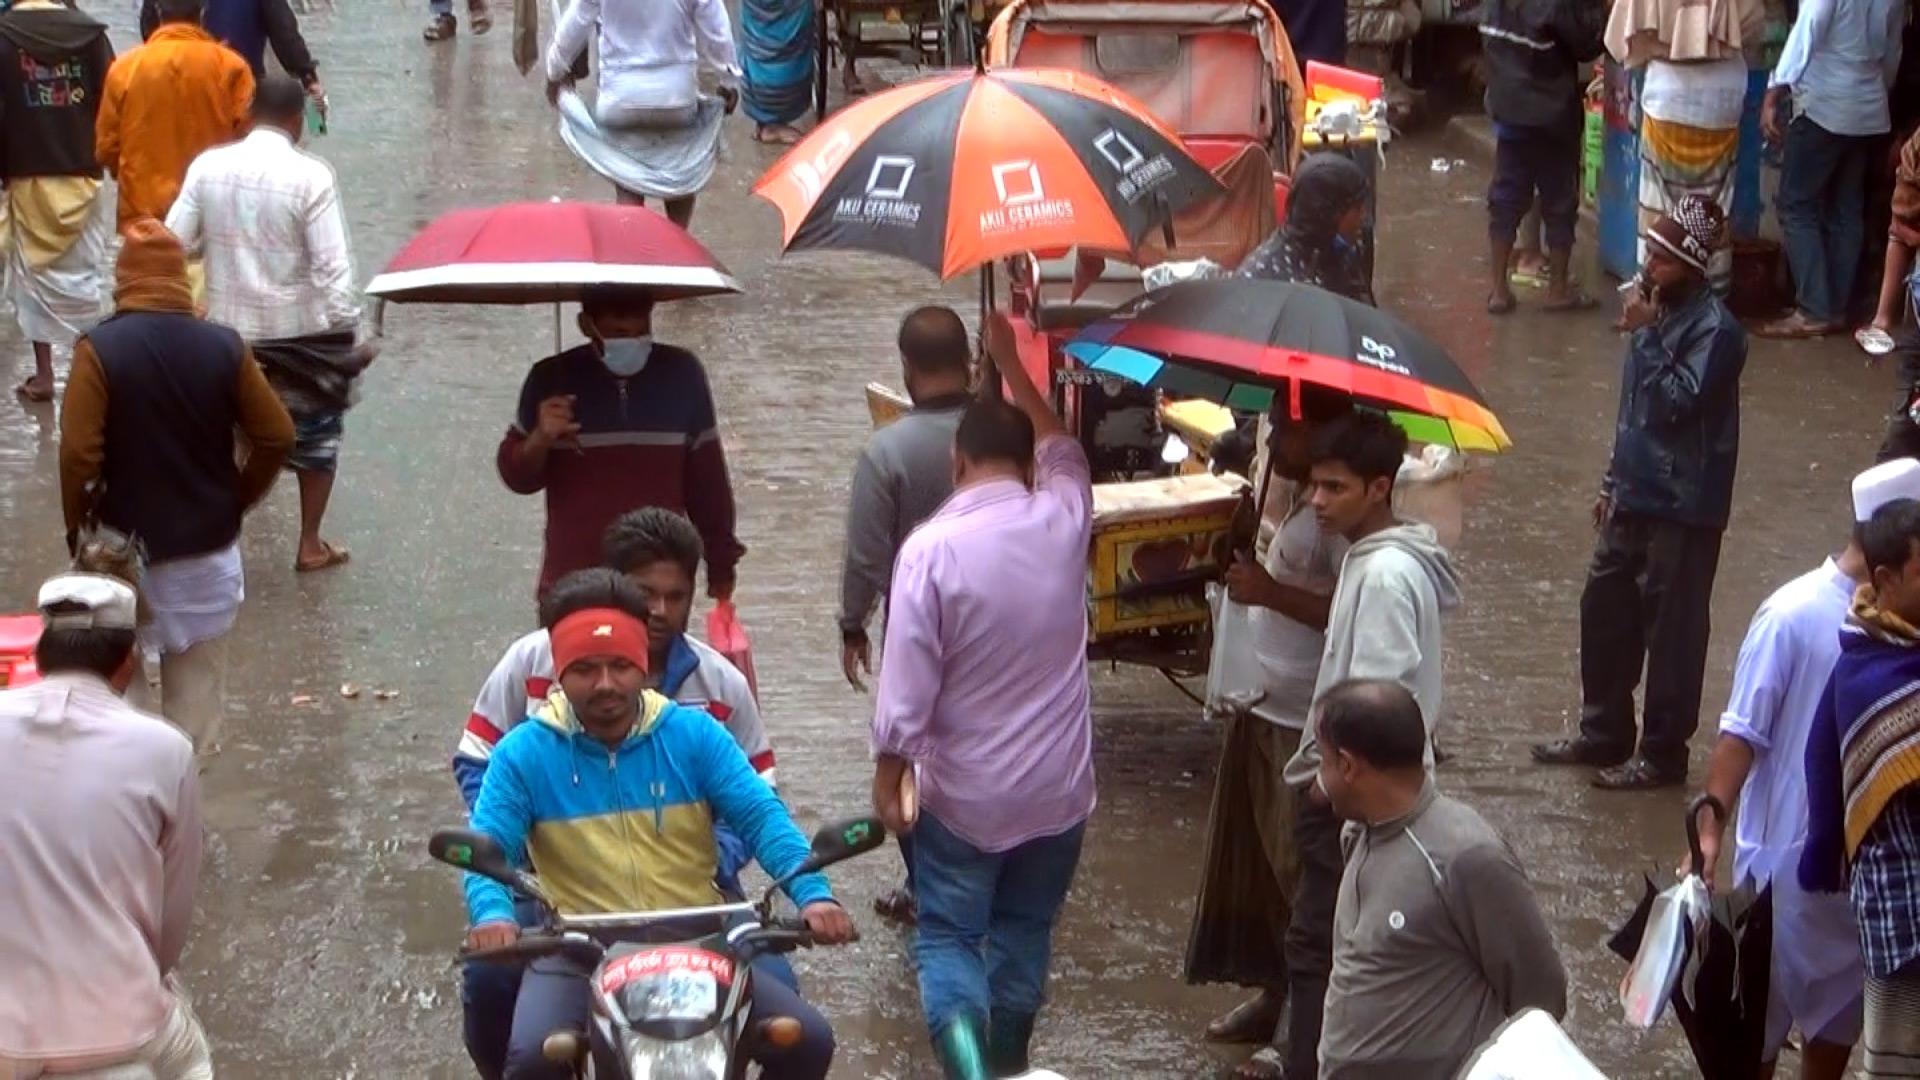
(531, 947)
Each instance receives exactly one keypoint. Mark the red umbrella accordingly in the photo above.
(549, 253)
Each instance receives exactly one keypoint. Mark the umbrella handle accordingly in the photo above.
(1697, 862)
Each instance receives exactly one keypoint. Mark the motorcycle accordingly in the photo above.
(671, 990)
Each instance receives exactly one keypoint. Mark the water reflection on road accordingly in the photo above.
(324, 933)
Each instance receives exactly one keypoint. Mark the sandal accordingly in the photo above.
(32, 394)
(1251, 1021)
(776, 134)
(336, 556)
(1577, 300)
(898, 906)
(1265, 1064)
(1794, 327)
(479, 17)
(442, 28)
(1873, 340)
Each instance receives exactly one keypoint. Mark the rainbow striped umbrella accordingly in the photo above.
(1242, 341)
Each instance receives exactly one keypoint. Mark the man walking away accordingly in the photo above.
(54, 226)
(983, 694)
(1396, 583)
(1757, 767)
(265, 216)
(101, 826)
(1251, 870)
(164, 102)
(147, 447)
(1837, 63)
(1535, 52)
(441, 26)
(248, 27)
(1863, 805)
(616, 424)
(1662, 507)
(902, 477)
(1438, 938)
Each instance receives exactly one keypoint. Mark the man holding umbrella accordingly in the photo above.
(618, 424)
(1662, 508)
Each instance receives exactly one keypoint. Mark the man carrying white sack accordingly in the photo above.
(1785, 661)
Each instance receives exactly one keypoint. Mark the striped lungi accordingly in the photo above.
(1892, 1035)
(1678, 160)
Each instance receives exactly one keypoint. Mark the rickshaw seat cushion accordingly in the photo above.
(1055, 307)
(1049, 271)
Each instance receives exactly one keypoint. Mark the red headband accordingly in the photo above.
(598, 632)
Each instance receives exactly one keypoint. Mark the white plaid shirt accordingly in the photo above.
(265, 217)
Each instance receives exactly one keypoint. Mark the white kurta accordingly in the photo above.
(1785, 661)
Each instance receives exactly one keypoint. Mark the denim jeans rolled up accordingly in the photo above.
(985, 935)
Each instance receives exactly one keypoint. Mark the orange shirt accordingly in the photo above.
(163, 103)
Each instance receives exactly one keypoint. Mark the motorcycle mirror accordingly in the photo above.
(470, 849)
(838, 841)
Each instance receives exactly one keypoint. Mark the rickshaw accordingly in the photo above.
(929, 33)
(1222, 74)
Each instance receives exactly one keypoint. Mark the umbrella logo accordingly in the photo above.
(1379, 354)
(1138, 173)
(884, 202)
(812, 174)
(1027, 174)
(1119, 151)
(890, 176)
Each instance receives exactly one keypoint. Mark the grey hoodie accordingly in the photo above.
(1385, 624)
(1437, 940)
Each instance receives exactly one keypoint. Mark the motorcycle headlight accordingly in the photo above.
(703, 1057)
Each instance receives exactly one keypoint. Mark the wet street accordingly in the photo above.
(324, 938)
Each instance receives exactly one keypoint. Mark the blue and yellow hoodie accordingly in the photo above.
(628, 829)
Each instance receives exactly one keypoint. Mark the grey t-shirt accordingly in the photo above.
(902, 477)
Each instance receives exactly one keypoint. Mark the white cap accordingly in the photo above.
(94, 602)
(1885, 483)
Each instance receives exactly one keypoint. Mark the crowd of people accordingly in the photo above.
(1386, 929)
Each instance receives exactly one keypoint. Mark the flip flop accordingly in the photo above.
(774, 137)
(25, 392)
(1265, 1064)
(1578, 300)
(1251, 1021)
(1873, 341)
(336, 556)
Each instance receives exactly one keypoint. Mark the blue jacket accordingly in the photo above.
(629, 829)
(1677, 438)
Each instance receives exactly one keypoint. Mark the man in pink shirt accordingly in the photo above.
(983, 693)
(101, 833)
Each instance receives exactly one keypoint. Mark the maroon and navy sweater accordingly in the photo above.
(649, 440)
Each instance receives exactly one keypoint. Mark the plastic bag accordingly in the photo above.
(729, 639)
(1530, 1046)
(1677, 917)
(1233, 670)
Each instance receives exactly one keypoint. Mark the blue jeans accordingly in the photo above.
(1822, 195)
(986, 920)
(554, 995)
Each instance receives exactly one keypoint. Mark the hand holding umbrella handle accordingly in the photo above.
(1697, 861)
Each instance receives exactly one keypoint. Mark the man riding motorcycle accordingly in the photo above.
(611, 792)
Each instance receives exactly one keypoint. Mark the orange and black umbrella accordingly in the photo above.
(957, 170)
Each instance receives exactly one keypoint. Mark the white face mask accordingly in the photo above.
(626, 356)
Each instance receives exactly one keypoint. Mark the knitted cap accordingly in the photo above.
(152, 271)
(1692, 231)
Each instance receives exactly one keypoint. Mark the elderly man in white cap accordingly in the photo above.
(100, 828)
(1757, 764)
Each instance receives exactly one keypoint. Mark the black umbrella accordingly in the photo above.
(1240, 341)
(1721, 999)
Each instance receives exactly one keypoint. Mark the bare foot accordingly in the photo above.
(1500, 301)
(851, 82)
(36, 388)
(778, 134)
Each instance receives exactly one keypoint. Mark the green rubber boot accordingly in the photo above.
(1007, 1039)
(961, 1047)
